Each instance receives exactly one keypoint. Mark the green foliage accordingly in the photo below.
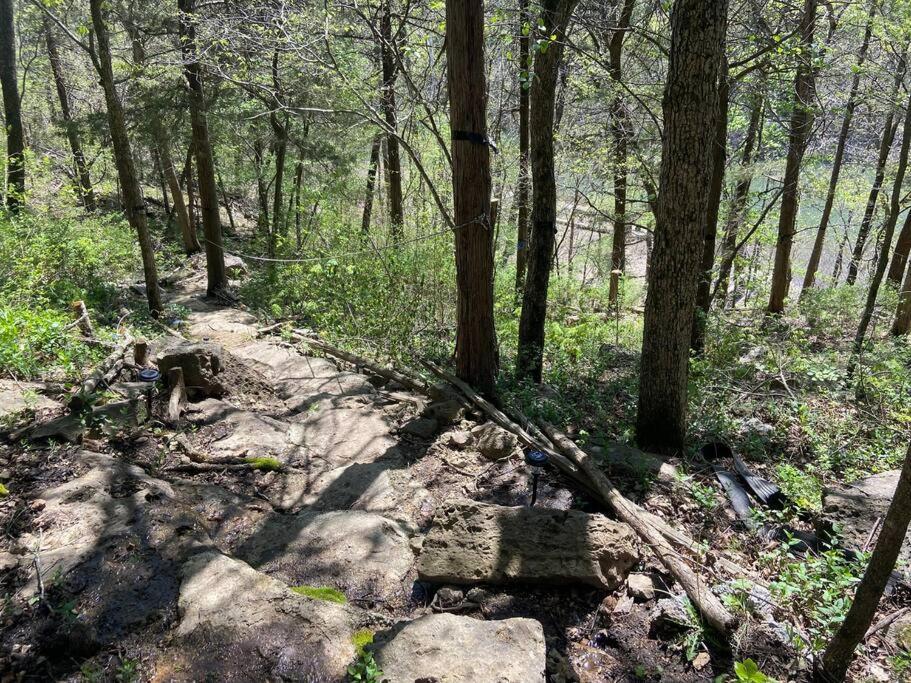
(321, 593)
(127, 672)
(365, 669)
(3, 491)
(264, 464)
(361, 639)
(34, 342)
(748, 671)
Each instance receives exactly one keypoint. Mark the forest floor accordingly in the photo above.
(121, 561)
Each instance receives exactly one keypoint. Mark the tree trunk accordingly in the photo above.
(371, 183)
(83, 179)
(394, 165)
(524, 180)
(476, 340)
(884, 148)
(837, 657)
(15, 139)
(888, 232)
(619, 131)
(162, 185)
(813, 265)
(690, 106)
(280, 145)
(133, 203)
(217, 279)
(554, 19)
(187, 233)
(737, 209)
(801, 126)
(902, 249)
(902, 323)
(710, 231)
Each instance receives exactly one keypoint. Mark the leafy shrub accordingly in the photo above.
(321, 593)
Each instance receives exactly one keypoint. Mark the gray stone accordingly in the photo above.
(229, 327)
(455, 649)
(202, 364)
(899, 633)
(234, 266)
(18, 396)
(472, 543)
(445, 412)
(641, 587)
(459, 440)
(422, 427)
(493, 442)
(669, 617)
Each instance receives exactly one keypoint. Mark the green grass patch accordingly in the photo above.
(361, 639)
(3, 491)
(264, 464)
(321, 593)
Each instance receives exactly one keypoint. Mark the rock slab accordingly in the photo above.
(452, 649)
(473, 543)
(202, 364)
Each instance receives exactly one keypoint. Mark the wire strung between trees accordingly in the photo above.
(481, 219)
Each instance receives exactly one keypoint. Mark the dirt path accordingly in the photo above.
(209, 576)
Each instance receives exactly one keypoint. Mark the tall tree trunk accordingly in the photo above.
(619, 132)
(217, 279)
(394, 166)
(133, 203)
(902, 249)
(555, 15)
(162, 185)
(476, 339)
(801, 126)
(737, 209)
(710, 231)
(83, 179)
(524, 180)
(690, 107)
(813, 265)
(280, 145)
(15, 139)
(187, 232)
(838, 655)
(884, 148)
(888, 232)
(371, 183)
(902, 324)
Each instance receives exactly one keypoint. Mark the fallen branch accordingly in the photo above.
(178, 399)
(105, 373)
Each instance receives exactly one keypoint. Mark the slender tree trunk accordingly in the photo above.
(902, 323)
(813, 265)
(227, 202)
(217, 279)
(83, 179)
(554, 18)
(394, 167)
(524, 180)
(884, 148)
(619, 132)
(476, 340)
(690, 107)
(371, 183)
(888, 232)
(801, 126)
(737, 209)
(840, 651)
(15, 139)
(710, 231)
(280, 145)
(133, 203)
(181, 214)
(902, 249)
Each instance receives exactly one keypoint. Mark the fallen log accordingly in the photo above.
(376, 369)
(699, 593)
(178, 399)
(106, 371)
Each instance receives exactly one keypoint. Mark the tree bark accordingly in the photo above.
(690, 106)
(710, 231)
(15, 138)
(737, 209)
(217, 279)
(801, 126)
(902, 323)
(371, 183)
(555, 15)
(83, 179)
(810, 277)
(393, 158)
(838, 655)
(187, 233)
(900, 258)
(884, 148)
(524, 180)
(888, 232)
(619, 131)
(476, 341)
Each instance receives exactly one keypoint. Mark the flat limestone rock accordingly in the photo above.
(861, 505)
(18, 396)
(363, 554)
(473, 543)
(230, 327)
(455, 649)
(304, 381)
(235, 619)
